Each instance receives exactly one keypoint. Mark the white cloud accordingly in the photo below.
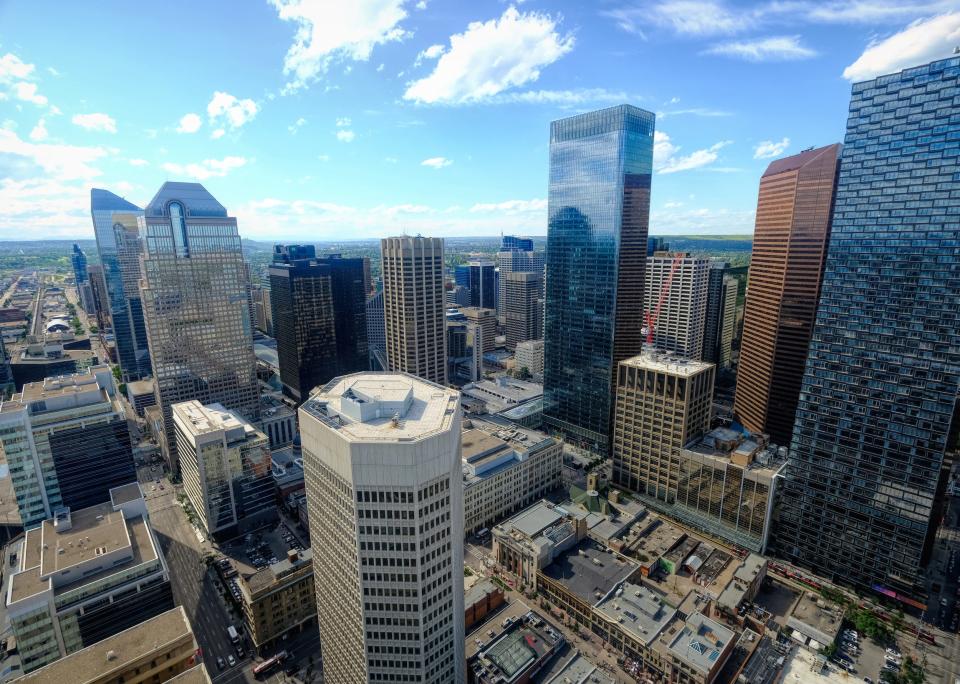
(96, 121)
(432, 52)
(226, 110)
(15, 76)
(343, 122)
(490, 57)
(331, 31)
(346, 135)
(667, 157)
(563, 97)
(296, 125)
(189, 123)
(217, 134)
(874, 11)
(208, 168)
(512, 207)
(690, 17)
(13, 68)
(28, 93)
(772, 48)
(323, 157)
(436, 162)
(60, 162)
(701, 221)
(923, 41)
(138, 162)
(768, 149)
(39, 131)
(421, 5)
(380, 68)
(44, 206)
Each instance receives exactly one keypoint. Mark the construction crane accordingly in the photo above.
(652, 316)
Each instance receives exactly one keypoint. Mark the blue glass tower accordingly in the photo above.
(117, 247)
(883, 372)
(79, 261)
(509, 243)
(598, 216)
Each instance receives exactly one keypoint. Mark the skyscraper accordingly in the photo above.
(101, 300)
(413, 306)
(319, 319)
(195, 306)
(595, 264)
(719, 323)
(376, 332)
(78, 259)
(384, 480)
(480, 281)
(879, 390)
(523, 307)
(510, 243)
(786, 267)
(514, 261)
(104, 206)
(676, 297)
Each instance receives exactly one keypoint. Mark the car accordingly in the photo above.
(220, 664)
(491, 634)
(231, 660)
(240, 652)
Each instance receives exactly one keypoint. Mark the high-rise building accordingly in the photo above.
(195, 306)
(879, 395)
(67, 443)
(596, 259)
(376, 332)
(101, 300)
(487, 320)
(789, 248)
(286, 254)
(225, 465)
(510, 243)
(529, 355)
(720, 322)
(126, 233)
(513, 261)
(663, 402)
(479, 278)
(413, 306)
(104, 208)
(676, 299)
(384, 481)
(523, 307)
(319, 319)
(656, 244)
(78, 259)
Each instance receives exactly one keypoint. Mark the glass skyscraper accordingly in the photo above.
(599, 210)
(125, 310)
(880, 387)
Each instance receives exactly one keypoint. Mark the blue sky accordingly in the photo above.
(325, 119)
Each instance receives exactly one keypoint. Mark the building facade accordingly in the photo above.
(78, 260)
(480, 277)
(720, 322)
(523, 307)
(789, 248)
(279, 598)
(67, 443)
(413, 306)
(595, 264)
(529, 355)
(225, 465)
(384, 481)
(675, 297)
(376, 332)
(195, 306)
(879, 392)
(486, 319)
(510, 260)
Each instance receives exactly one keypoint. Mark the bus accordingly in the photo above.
(269, 664)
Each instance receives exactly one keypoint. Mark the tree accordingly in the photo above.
(523, 373)
(116, 373)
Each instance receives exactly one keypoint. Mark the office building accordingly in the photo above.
(676, 301)
(85, 575)
(596, 260)
(523, 307)
(786, 267)
(505, 469)
(486, 319)
(279, 598)
(67, 443)
(107, 210)
(277, 421)
(384, 478)
(663, 403)
(287, 254)
(413, 306)
(140, 394)
(129, 248)
(319, 319)
(513, 261)
(879, 393)
(478, 277)
(101, 300)
(195, 306)
(263, 310)
(529, 355)
(39, 359)
(156, 650)
(720, 322)
(225, 465)
(510, 243)
(78, 259)
(656, 244)
(376, 332)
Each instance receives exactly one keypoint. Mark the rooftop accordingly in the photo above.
(813, 611)
(638, 609)
(119, 652)
(666, 362)
(137, 387)
(126, 493)
(383, 407)
(579, 670)
(194, 197)
(273, 574)
(106, 200)
(525, 643)
(590, 571)
(534, 520)
(201, 420)
(195, 675)
(702, 642)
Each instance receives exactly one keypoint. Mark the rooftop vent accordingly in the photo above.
(111, 655)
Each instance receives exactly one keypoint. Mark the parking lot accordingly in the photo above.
(863, 657)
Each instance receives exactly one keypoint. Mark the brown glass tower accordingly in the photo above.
(789, 247)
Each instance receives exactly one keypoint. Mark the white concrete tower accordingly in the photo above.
(384, 484)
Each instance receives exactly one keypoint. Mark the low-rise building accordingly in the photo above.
(84, 576)
(503, 393)
(158, 649)
(140, 395)
(529, 355)
(505, 468)
(279, 598)
(518, 654)
(697, 651)
(37, 360)
(278, 421)
(579, 670)
(287, 470)
(482, 598)
(814, 622)
(744, 585)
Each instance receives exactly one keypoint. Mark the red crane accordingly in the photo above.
(652, 316)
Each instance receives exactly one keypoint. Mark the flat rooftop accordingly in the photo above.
(478, 447)
(138, 387)
(579, 670)
(590, 571)
(383, 407)
(813, 610)
(639, 609)
(200, 419)
(195, 675)
(702, 642)
(126, 493)
(153, 636)
(665, 362)
(525, 643)
(534, 520)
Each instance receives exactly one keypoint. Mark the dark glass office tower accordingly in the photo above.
(479, 277)
(599, 210)
(883, 370)
(90, 460)
(319, 318)
(113, 218)
(79, 261)
(509, 243)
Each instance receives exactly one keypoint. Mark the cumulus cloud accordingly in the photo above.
(921, 42)
(138, 162)
(39, 131)
(61, 162)
(330, 31)
(512, 206)
(296, 125)
(345, 135)
(96, 121)
(667, 157)
(432, 52)
(189, 123)
(436, 162)
(770, 49)
(491, 57)
(28, 92)
(15, 77)
(208, 168)
(227, 111)
(768, 149)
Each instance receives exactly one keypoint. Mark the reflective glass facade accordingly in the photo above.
(598, 208)
(881, 380)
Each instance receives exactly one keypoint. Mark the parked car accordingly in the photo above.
(231, 660)
(220, 664)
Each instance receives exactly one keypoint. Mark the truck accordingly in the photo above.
(232, 633)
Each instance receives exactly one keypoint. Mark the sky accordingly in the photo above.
(332, 119)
